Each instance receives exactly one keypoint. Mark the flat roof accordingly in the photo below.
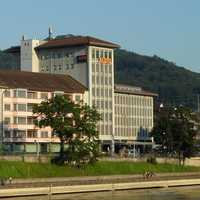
(40, 81)
(128, 89)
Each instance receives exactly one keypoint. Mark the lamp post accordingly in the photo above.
(37, 148)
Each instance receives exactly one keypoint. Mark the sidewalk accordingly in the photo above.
(64, 181)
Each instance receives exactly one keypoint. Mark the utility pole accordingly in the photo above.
(198, 107)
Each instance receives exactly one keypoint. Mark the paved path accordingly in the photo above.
(87, 180)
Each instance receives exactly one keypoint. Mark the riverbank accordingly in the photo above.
(173, 180)
(16, 169)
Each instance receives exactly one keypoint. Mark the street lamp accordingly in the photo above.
(37, 148)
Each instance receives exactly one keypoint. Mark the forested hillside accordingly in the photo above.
(175, 85)
(7, 61)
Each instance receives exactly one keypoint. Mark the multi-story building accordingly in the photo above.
(90, 61)
(133, 116)
(19, 91)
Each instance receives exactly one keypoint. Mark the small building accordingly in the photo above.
(19, 91)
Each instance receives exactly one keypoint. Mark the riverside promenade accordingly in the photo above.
(65, 185)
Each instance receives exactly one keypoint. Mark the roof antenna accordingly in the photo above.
(50, 33)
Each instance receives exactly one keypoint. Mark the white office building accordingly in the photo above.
(91, 62)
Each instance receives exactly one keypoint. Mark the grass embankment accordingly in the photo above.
(33, 170)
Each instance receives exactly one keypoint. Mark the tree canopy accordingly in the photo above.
(74, 124)
(175, 130)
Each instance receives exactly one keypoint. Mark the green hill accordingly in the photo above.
(7, 61)
(175, 85)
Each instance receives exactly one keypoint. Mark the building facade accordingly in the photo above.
(133, 116)
(19, 92)
(91, 62)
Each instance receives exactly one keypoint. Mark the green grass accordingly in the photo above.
(33, 170)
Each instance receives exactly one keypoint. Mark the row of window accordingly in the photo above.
(19, 120)
(129, 122)
(101, 92)
(104, 68)
(20, 93)
(19, 107)
(134, 132)
(54, 55)
(129, 100)
(133, 111)
(101, 80)
(55, 68)
(105, 129)
(101, 53)
(102, 104)
(30, 133)
(23, 93)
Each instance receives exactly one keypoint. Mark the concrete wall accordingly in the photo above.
(46, 158)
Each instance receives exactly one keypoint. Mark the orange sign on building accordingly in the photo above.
(105, 60)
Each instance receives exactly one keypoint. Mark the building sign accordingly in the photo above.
(81, 59)
(105, 60)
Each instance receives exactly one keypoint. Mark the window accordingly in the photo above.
(77, 98)
(44, 134)
(19, 120)
(7, 120)
(110, 54)
(30, 107)
(7, 134)
(44, 95)
(93, 67)
(97, 67)
(7, 93)
(93, 79)
(60, 67)
(19, 93)
(30, 120)
(93, 53)
(21, 107)
(19, 133)
(57, 93)
(32, 95)
(31, 133)
(97, 53)
(106, 54)
(7, 107)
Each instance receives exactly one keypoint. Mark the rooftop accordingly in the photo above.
(76, 41)
(40, 81)
(127, 89)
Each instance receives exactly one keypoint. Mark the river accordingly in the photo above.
(180, 193)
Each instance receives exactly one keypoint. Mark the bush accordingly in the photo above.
(152, 160)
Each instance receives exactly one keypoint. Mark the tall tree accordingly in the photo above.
(74, 124)
(175, 130)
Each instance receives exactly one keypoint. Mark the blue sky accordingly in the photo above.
(167, 28)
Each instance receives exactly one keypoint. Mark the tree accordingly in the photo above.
(74, 124)
(175, 130)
